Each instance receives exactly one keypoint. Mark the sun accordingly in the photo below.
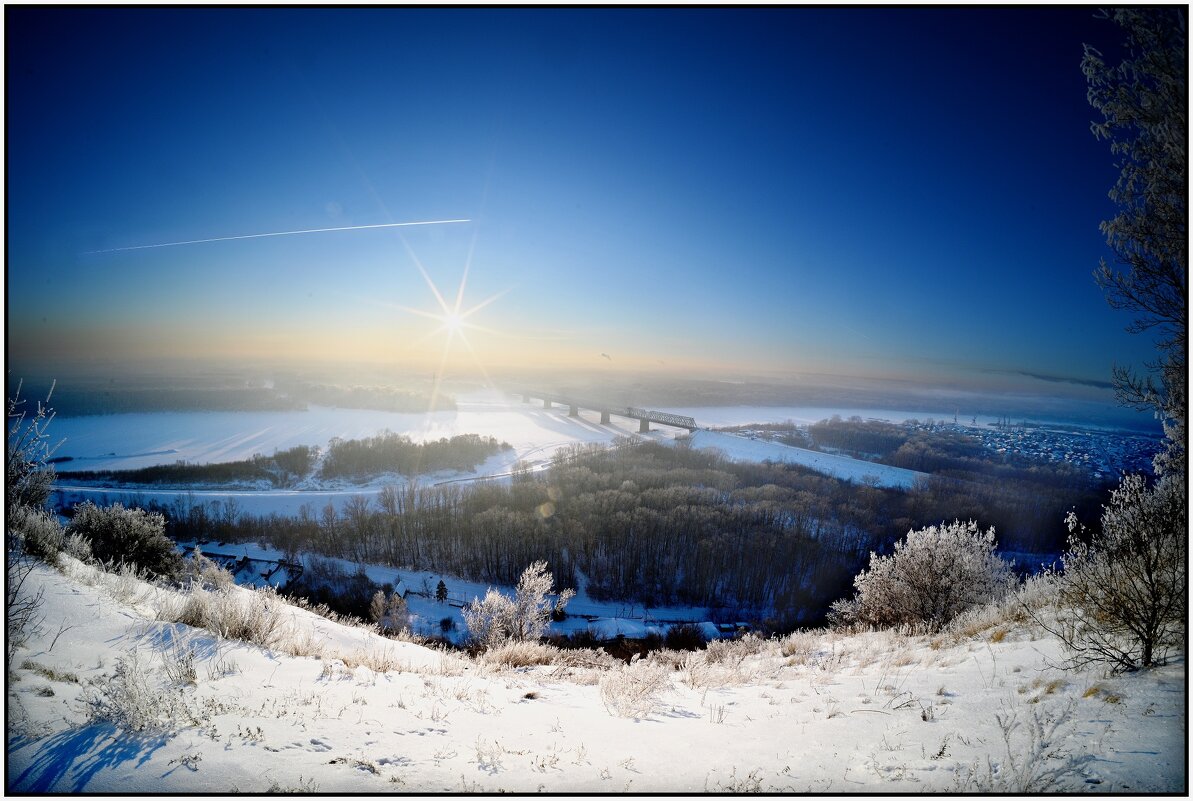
(452, 318)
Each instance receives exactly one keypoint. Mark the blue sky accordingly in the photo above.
(895, 192)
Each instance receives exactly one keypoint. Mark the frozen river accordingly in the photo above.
(126, 441)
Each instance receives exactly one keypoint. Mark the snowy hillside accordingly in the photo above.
(741, 448)
(336, 709)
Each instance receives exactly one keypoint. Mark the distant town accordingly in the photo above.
(1106, 454)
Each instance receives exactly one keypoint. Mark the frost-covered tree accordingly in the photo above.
(1143, 101)
(28, 474)
(1123, 594)
(532, 608)
(31, 533)
(488, 619)
(934, 574)
(377, 607)
(1124, 591)
(497, 618)
(390, 614)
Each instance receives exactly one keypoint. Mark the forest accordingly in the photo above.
(282, 469)
(656, 524)
(397, 453)
(354, 459)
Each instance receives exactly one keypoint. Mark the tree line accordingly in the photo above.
(397, 453)
(282, 469)
(352, 459)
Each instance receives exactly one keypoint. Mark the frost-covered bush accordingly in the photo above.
(1022, 607)
(178, 663)
(1123, 595)
(38, 531)
(497, 618)
(28, 474)
(634, 690)
(206, 573)
(934, 574)
(131, 536)
(78, 547)
(130, 700)
(257, 617)
(30, 533)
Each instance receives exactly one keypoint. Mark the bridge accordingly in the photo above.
(644, 416)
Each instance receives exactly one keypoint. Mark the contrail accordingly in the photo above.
(277, 233)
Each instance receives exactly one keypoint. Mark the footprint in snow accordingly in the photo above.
(319, 745)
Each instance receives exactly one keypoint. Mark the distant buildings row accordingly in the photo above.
(1106, 454)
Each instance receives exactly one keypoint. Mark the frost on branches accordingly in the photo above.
(1126, 589)
(390, 614)
(497, 618)
(934, 574)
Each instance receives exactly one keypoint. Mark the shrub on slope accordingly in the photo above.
(935, 574)
(133, 536)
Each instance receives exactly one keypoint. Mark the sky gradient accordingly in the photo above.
(909, 193)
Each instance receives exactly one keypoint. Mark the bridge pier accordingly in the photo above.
(644, 416)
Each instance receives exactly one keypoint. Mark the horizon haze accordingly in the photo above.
(792, 195)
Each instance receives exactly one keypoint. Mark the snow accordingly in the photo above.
(607, 619)
(126, 441)
(129, 441)
(824, 713)
(744, 449)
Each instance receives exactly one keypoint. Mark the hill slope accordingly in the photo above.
(817, 711)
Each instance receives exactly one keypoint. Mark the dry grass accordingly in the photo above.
(634, 690)
(1042, 686)
(377, 659)
(1104, 693)
(517, 654)
(53, 674)
(801, 646)
(254, 617)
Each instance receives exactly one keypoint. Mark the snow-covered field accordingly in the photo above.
(127, 441)
(818, 712)
(744, 449)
